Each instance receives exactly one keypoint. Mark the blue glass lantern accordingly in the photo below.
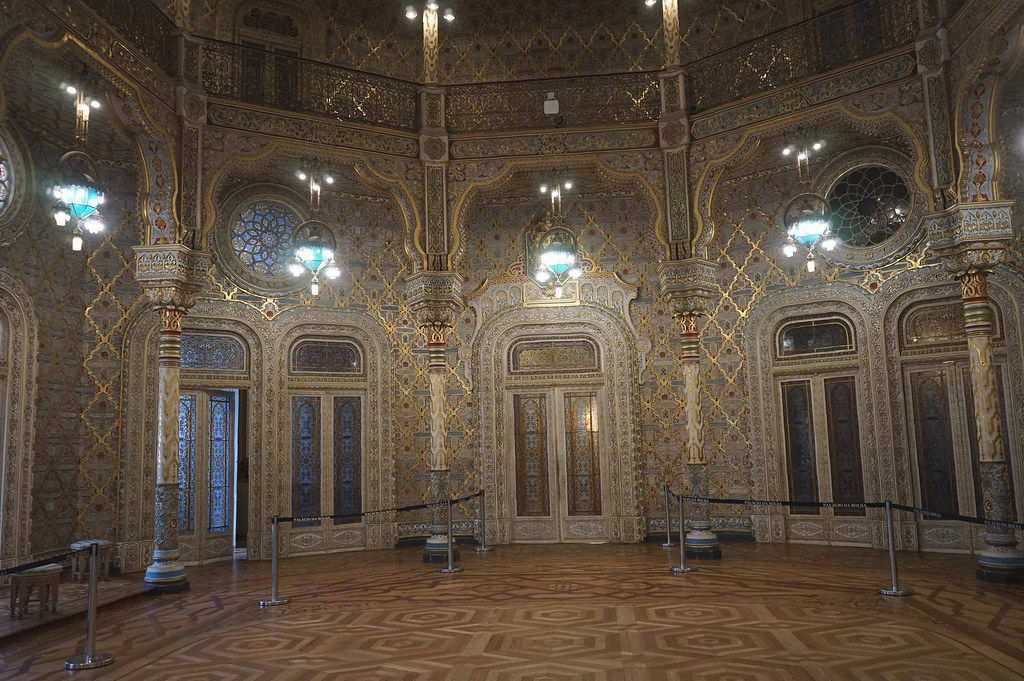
(314, 254)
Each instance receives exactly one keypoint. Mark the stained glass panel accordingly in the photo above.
(347, 457)
(261, 237)
(583, 471)
(305, 457)
(200, 351)
(801, 467)
(844, 444)
(934, 433)
(972, 427)
(326, 356)
(222, 426)
(530, 418)
(814, 336)
(186, 463)
(5, 182)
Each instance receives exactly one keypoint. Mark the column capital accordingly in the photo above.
(435, 297)
(171, 274)
(688, 285)
(971, 236)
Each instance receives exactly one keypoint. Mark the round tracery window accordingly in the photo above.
(868, 205)
(261, 237)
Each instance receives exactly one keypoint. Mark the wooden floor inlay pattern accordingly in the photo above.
(554, 613)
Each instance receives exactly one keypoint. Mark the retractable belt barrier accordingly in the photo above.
(892, 589)
(277, 599)
(56, 558)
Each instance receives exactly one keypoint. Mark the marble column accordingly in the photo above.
(688, 284)
(166, 571)
(700, 542)
(999, 561)
(437, 374)
(435, 299)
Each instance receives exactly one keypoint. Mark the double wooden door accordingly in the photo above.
(557, 447)
(207, 451)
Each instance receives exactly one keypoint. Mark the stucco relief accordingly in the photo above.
(19, 333)
(604, 317)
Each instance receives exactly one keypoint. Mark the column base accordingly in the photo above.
(436, 550)
(1000, 562)
(701, 543)
(166, 576)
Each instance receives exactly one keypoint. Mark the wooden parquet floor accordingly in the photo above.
(560, 612)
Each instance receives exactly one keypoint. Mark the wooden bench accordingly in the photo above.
(44, 579)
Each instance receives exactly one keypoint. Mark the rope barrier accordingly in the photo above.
(56, 558)
(363, 514)
(1005, 524)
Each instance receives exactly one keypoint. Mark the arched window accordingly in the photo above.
(869, 205)
(322, 356)
(815, 336)
(261, 237)
(212, 352)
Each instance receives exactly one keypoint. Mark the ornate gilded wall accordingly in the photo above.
(93, 398)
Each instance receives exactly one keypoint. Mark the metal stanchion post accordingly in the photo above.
(682, 568)
(894, 589)
(450, 567)
(274, 599)
(482, 546)
(90, 659)
(668, 521)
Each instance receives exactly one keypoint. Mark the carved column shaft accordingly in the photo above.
(166, 569)
(430, 46)
(690, 359)
(670, 24)
(437, 374)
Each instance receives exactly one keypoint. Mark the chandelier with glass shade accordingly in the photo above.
(77, 198)
(808, 228)
(552, 250)
(314, 254)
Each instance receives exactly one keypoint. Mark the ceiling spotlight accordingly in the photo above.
(71, 89)
(328, 179)
(650, 3)
(449, 15)
(95, 103)
(543, 189)
(818, 145)
(787, 151)
(301, 175)
(432, 6)
(410, 12)
(568, 185)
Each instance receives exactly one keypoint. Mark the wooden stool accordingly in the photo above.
(45, 579)
(80, 560)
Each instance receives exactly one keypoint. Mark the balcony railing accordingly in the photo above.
(281, 81)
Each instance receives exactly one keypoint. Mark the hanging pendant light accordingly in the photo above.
(77, 198)
(314, 254)
(552, 250)
(808, 226)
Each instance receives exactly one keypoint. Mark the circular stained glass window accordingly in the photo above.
(868, 205)
(261, 237)
(5, 182)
